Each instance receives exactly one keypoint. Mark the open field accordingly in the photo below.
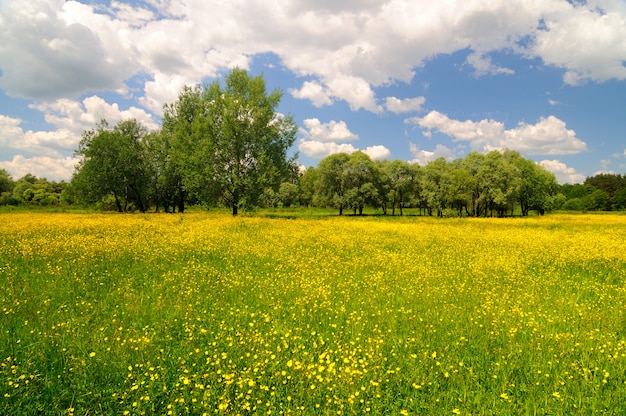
(206, 313)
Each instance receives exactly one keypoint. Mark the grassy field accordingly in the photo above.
(208, 314)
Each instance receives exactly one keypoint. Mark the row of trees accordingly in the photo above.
(496, 183)
(226, 145)
(602, 192)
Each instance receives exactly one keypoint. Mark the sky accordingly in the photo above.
(398, 79)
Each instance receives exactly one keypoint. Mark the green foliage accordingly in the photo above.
(478, 185)
(31, 191)
(113, 164)
(331, 182)
(228, 142)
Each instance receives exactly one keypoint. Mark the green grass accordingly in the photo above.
(311, 314)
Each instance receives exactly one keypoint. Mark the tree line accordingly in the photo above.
(226, 145)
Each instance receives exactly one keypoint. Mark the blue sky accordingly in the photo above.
(398, 79)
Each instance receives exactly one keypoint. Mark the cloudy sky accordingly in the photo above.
(398, 79)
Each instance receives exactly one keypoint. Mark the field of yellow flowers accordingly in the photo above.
(204, 313)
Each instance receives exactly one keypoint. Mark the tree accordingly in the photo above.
(619, 199)
(307, 187)
(400, 179)
(607, 182)
(362, 182)
(179, 166)
(537, 186)
(6, 188)
(436, 181)
(471, 164)
(498, 182)
(243, 141)
(113, 163)
(331, 181)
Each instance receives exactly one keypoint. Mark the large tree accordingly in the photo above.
(400, 179)
(180, 164)
(362, 179)
(243, 141)
(331, 184)
(113, 163)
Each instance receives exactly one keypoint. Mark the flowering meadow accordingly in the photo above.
(205, 313)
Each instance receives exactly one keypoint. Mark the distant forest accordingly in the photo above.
(602, 192)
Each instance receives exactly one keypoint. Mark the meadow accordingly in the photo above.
(205, 313)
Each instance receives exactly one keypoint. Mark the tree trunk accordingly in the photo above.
(181, 203)
(117, 203)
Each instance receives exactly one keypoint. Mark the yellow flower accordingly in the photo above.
(92, 354)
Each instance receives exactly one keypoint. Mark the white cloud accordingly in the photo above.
(320, 150)
(78, 116)
(70, 119)
(314, 92)
(549, 136)
(422, 157)
(52, 168)
(563, 173)
(321, 140)
(483, 65)
(33, 142)
(332, 131)
(587, 40)
(55, 49)
(378, 152)
(406, 105)
(356, 91)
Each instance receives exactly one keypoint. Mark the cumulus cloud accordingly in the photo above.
(70, 119)
(549, 136)
(585, 39)
(78, 116)
(320, 150)
(54, 49)
(321, 140)
(327, 132)
(51, 50)
(422, 157)
(377, 152)
(483, 65)
(314, 92)
(56, 169)
(563, 173)
(33, 142)
(406, 105)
